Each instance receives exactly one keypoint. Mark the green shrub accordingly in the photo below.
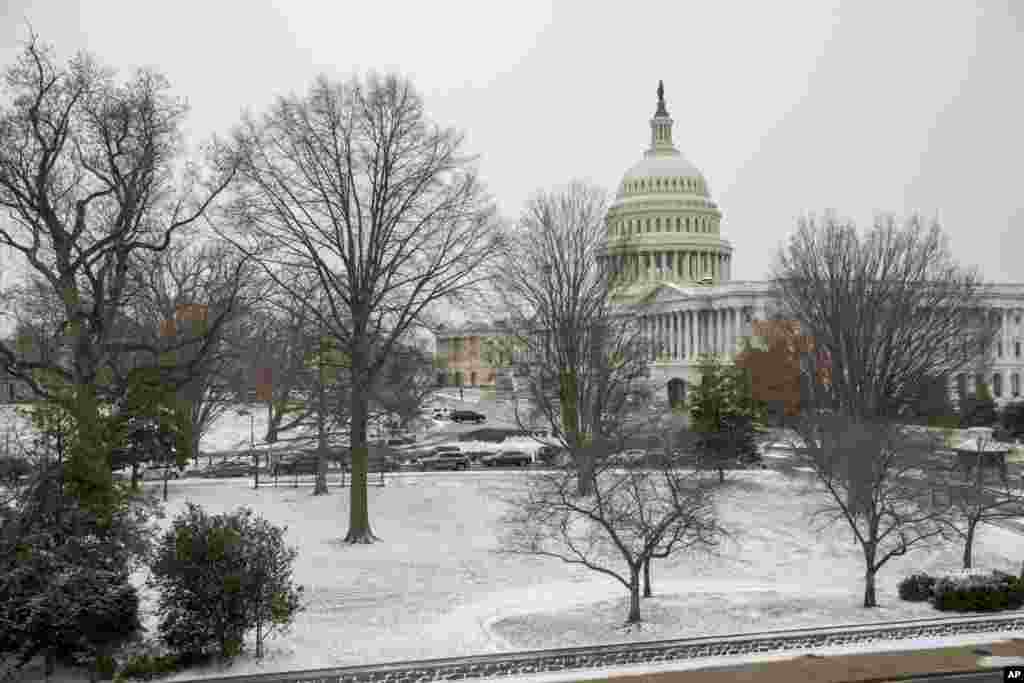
(147, 666)
(916, 587)
(218, 577)
(990, 593)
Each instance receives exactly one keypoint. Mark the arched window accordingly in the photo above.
(657, 225)
(679, 222)
(1015, 384)
(997, 385)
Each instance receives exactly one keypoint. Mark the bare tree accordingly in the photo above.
(631, 516)
(581, 355)
(90, 180)
(882, 315)
(354, 186)
(872, 475)
(277, 343)
(892, 309)
(968, 504)
(176, 293)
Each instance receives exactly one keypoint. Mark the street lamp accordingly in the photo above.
(252, 442)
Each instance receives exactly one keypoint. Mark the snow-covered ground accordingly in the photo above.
(435, 587)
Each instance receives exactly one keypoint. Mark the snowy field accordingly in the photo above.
(435, 587)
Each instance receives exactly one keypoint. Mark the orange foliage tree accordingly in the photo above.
(773, 357)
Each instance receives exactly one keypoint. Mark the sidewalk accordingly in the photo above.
(861, 668)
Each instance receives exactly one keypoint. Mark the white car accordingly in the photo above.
(628, 457)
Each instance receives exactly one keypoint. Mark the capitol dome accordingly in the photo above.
(663, 227)
(673, 166)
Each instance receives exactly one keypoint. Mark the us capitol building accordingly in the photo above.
(663, 233)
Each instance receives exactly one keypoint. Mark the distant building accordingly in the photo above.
(459, 356)
(663, 233)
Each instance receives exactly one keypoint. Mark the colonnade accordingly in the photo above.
(679, 264)
(683, 335)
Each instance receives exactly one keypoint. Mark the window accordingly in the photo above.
(1016, 349)
(1015, 384)
(999, 349)
(997, 385)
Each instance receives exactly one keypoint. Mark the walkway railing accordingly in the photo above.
(582, 659)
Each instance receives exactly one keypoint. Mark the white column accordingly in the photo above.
(713, 325)
(1005, 336)
(737, 322)
(730, 341)
(675, 335)
(659, 332)
(684, 322)
(724, 326)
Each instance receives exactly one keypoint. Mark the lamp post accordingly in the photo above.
(252, 443)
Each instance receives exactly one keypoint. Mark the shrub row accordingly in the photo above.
(979, 593)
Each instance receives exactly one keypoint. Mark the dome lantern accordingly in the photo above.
(661, 128)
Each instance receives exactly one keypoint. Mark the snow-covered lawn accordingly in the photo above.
(434, 587)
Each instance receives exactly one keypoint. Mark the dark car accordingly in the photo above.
(400, 441)
(295, 463)
(444, 461)
(229, 469)
(514, 458)
(468, 416)
(158, 472)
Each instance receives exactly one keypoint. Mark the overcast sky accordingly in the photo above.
(787, 107)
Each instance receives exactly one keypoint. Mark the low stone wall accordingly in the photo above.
(609, 656)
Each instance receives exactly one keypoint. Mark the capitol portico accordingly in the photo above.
(663, 237)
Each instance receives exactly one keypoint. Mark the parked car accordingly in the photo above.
(445, 460)
(468, 416)
(158, 472)
(400, 441)
(296, 463)
(515, 458)
(229, 469)
(442, 413)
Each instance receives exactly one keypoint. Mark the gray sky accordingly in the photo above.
(787, 107)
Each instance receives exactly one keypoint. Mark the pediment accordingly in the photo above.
(656, 293)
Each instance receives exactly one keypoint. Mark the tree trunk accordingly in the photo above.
(647, 578)
(869, 589)
(320, 488)
(359, 515)
(195, 449)
(273, 421)
(969, 545)
(634, 596)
